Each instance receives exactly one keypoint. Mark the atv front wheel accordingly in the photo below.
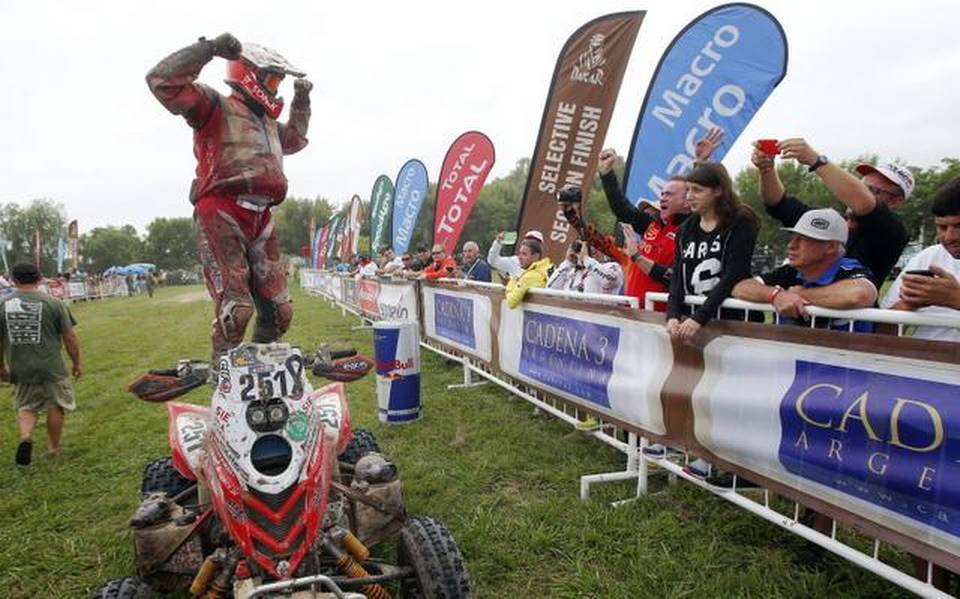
(439, 571)
(362, 443)
(159, 476)
(128, 587)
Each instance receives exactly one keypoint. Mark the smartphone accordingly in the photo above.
(509, 238)
(449, 269)
(920, 273)
(770, 147)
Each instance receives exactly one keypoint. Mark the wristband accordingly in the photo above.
(774, 293)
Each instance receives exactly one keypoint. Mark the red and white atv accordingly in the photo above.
(269, 493)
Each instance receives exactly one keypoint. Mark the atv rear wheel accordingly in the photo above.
(128, 587)
(159, 476)
(362, 443)
(439, 571)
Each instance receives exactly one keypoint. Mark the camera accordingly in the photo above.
(577, 247)
(569, 194)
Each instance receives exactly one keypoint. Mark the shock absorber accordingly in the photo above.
(354, 569)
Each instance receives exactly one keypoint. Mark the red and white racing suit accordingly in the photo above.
(239, 177)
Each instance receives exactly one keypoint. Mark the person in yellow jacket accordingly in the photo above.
(536, 270)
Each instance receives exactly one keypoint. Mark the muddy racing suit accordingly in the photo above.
(239, 150)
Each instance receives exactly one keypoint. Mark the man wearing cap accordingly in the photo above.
(32, 327)
(509, 265)
(879, 235)
(817, 273)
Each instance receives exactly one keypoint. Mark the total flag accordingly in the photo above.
(465, 169)
(322, 240)
(717, 72)
(586, 81)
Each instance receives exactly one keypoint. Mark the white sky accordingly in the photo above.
(397, 80)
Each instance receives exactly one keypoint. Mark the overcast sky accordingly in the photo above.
(397, 80)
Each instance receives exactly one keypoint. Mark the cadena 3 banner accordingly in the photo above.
(878, 437)
(616, 364)
(716, 73)
(460, 319)
(465, 168)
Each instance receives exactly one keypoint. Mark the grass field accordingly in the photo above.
(502, 479)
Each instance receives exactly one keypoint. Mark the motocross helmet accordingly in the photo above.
(257, 75)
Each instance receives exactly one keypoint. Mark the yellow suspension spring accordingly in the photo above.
(204, 575)
(216, 591)
(351, 568)
(355, 547)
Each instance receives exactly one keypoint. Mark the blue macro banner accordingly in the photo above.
(408, 197)
(717, 72)
(886, 439)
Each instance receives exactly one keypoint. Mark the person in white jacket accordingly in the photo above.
(508, 265)
(587, 270)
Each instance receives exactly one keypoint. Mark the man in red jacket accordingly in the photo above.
(239, 146)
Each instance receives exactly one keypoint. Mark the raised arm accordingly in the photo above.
(847, 188)
(293, 133)
(173, 79)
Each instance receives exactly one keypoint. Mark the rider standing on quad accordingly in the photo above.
(239, 146)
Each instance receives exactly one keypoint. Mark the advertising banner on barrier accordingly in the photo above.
(586, 81)
(460, 319)
(465, 169)
(717, 72)
(616, 365)
(381, 210)
(349, 287)
(408, 197)
(398, 301)
(368, 291)
(77, 290)
(878, 436)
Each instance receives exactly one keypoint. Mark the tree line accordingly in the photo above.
(170, 242)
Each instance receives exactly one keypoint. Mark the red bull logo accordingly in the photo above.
(390, 366)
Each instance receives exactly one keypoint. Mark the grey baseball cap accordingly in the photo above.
(825, 224)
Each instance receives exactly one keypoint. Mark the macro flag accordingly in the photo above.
(465, 169)
(717, 72)
(408, 198)
(381, 208)
(579, 105)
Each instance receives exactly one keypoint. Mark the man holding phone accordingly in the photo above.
(879, 235)
(929, 283)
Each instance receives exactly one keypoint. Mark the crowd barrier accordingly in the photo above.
(864, 428)
(80, 290)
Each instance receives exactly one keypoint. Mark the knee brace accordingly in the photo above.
(234, 317)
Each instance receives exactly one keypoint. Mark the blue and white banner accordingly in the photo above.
(408, 197)
(717, 72)
(876, 435)
(460, 319)
(618, 365)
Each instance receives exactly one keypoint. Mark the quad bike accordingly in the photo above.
(269, 493)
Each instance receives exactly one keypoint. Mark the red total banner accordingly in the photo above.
(465, 168)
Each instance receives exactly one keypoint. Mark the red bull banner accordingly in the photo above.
(586, 81)
(465, 169)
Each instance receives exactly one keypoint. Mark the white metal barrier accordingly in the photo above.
(638, 464)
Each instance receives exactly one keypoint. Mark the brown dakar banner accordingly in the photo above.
(582, 94)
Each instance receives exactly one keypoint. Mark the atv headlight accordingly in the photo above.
(270, 455)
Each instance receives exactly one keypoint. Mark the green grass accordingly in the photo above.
(504, 480)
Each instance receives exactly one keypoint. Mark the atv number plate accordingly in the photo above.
(281, 381)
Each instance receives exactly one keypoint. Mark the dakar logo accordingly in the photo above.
(589, 66)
